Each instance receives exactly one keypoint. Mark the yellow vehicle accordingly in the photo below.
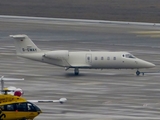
(13, 107)
(17, 108)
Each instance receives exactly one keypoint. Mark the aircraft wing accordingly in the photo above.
(61, 100)
(80, 65)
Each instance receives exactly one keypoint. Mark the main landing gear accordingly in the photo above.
(76, 71)
(138, 73)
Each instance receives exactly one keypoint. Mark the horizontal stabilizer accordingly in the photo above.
(18, 36)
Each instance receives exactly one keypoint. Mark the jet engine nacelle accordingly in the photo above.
(58, 54)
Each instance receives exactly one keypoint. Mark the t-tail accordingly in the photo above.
(24, 44)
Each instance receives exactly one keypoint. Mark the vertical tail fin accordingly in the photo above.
(24, 44)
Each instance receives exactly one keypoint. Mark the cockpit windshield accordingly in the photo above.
(129, 56)
(36, 108)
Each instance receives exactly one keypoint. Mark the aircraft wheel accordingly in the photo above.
(76, 71)
(137, 73)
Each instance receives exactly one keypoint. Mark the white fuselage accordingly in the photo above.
(78, 59)
(89, 59)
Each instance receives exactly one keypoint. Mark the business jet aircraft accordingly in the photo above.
(82, 59)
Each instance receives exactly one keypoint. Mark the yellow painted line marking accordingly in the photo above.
(146, 32)
(143, 35)
(152, 36)
(155, 36)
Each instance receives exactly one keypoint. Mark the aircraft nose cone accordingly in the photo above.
(148, 64)
(144, 64)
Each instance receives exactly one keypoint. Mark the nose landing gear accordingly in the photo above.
(138, 73)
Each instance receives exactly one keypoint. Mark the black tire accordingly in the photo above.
(76, 73)
(138, 73)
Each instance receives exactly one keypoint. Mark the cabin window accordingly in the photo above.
(10, 107)
(30, 107)
(22, 107)
(108, 58)
(23, 49)
(19, 107)
(96, 58)
(102, 58)
(114, 58)
(129, 56)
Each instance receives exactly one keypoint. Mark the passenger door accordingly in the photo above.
(89, 59)
(22, 110)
